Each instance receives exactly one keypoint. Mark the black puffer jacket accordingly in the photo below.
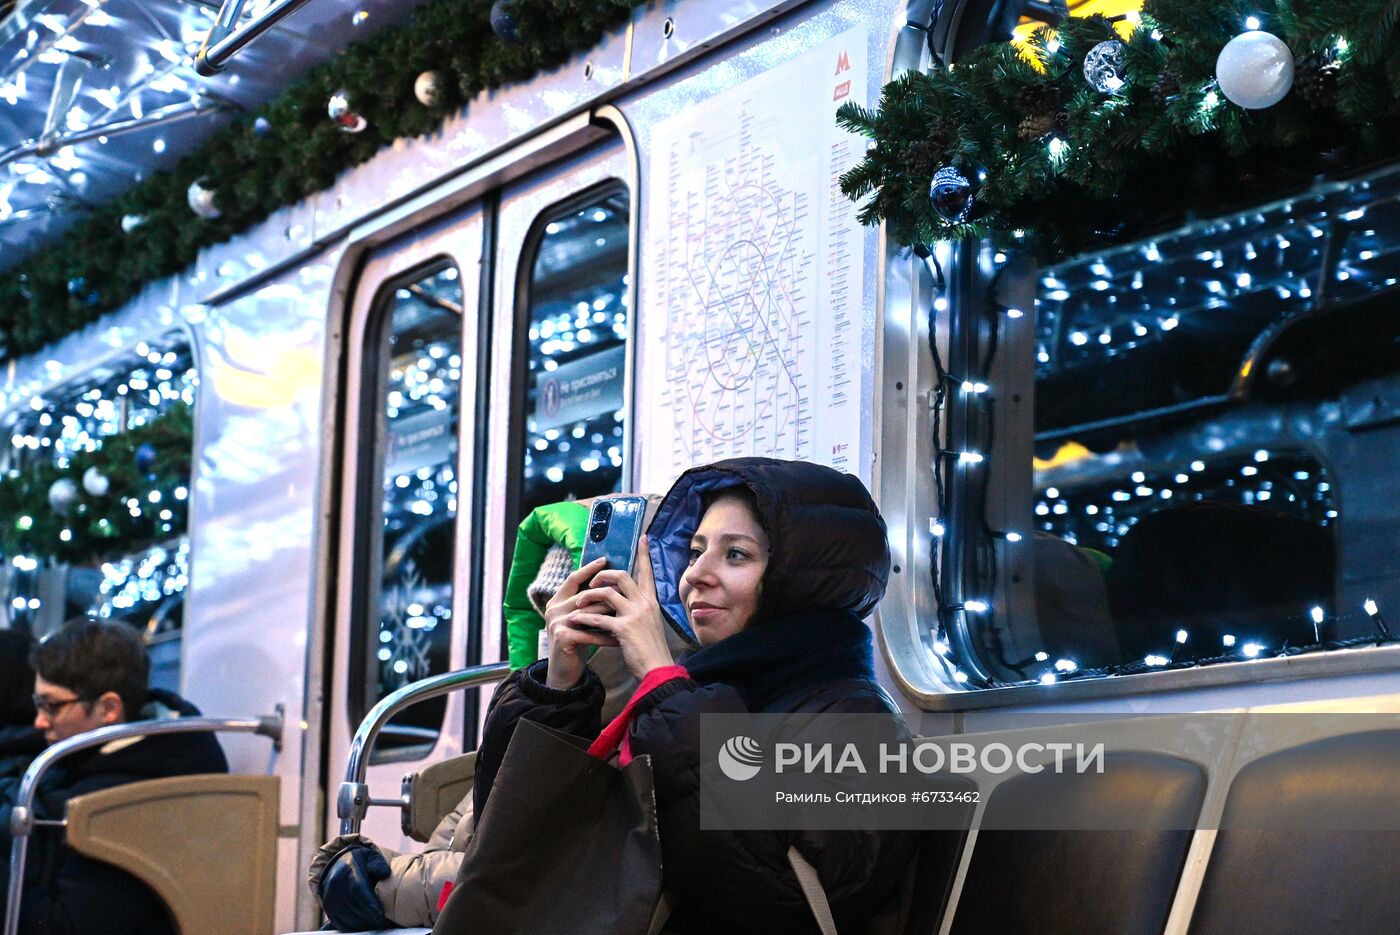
(68, 894)
(807, 651)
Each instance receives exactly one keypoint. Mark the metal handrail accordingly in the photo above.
(22, 819)
(353, 800)
(223, 42)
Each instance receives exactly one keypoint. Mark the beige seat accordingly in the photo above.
(207, 846)
(435, 791)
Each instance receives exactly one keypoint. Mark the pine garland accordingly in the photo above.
(1064, 166)
(101, 527)
(97, 267)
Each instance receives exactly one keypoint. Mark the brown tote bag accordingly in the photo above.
(567, 843)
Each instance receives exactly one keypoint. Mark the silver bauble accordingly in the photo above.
(131, 221)
(201, 199)
(63, 493)
(1255, 70)
(344, 114)
(1103, 67)
(428, 88)
(951, 195)
(96, 483)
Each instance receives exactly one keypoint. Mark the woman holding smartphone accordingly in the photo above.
(771, 566)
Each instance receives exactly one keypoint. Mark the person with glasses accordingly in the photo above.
(90, 674)
(20, 741)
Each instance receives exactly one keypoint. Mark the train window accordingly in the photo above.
(98, 475)
(1212, 408)
(404, 628)
(578, 326)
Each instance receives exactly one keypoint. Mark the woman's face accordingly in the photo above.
(728, 554)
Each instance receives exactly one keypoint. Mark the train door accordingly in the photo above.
(560, 390)
(404, 604)
(486, 375)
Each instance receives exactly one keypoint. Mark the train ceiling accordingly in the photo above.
(71, 68)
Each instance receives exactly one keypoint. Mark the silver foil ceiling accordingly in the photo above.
(72, 69)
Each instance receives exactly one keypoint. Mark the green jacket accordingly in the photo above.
(556, 523)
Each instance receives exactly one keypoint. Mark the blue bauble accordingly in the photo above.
(261, 126)
(145, 457)
(504, 23)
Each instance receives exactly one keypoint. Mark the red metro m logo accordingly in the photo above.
(843, 64)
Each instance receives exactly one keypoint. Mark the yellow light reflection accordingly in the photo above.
(278, 378)
(1083, 8)
(1068, 453)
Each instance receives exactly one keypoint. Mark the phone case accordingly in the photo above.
(615, 538)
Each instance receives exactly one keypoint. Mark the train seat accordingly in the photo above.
(1300, 847)
(1072, 881)
(434, 792)
(206, 845)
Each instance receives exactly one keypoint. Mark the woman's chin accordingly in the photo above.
(712, 629)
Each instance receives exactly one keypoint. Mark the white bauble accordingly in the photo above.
(1255, 70)
(342, 112)
(427, 88)
(63, 493)
(95, 482)
(201, 200)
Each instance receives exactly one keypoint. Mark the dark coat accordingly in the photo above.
(68, 894)
(19, 745)
(807, 652)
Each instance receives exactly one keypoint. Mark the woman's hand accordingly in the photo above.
(628, 611)
(566, 641)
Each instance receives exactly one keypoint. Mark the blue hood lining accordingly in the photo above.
(669, 541)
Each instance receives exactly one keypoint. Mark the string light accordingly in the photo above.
(1374, 612)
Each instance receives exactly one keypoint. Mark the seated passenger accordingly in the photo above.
(91, 674)
(1215, 569)
(20, 740)
(774, 564)
(1071, 603)
(362, 884)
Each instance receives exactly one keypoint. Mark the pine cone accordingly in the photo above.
(1167, 87)
(1316, 78)
(923, 157)
(1034, 126)
(1035, 98)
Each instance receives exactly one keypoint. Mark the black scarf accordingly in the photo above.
(785, 657)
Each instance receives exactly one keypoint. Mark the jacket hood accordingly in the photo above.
(828, 549)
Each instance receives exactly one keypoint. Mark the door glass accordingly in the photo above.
(578, 320)
(406, 631)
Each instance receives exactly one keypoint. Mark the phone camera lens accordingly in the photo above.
(598, 532)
